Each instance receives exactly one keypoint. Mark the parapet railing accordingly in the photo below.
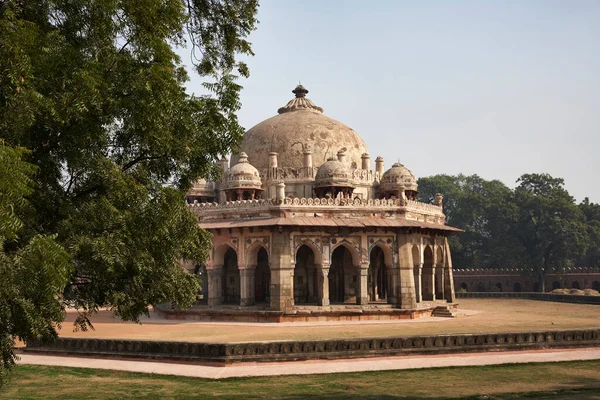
(320, 202)
(520, 271)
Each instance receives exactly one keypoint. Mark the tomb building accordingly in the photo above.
(302, 223)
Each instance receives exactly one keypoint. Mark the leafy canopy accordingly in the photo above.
(101, 142)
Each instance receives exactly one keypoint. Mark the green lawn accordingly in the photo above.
(567, 380)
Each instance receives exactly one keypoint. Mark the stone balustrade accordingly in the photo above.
(424, 207)
(318, 202)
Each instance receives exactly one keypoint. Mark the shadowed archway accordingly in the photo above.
(262, 277)
(342, 277)
(231, 278)
(305, 279)
(378, 276)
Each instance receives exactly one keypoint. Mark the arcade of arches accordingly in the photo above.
(407, 270)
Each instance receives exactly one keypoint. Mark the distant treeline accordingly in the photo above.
(537, 226)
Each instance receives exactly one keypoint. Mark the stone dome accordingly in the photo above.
(333, 173)
(242, 175)
(202, 188)
(300, 126)
(398, 176)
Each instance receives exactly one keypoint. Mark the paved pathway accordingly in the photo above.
(318, 366)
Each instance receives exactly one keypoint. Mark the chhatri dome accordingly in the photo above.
(301, 125)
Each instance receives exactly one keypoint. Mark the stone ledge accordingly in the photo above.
(301, 315)
(227, 353)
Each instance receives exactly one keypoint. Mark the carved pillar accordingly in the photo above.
(362, 296)
(428, 282)
(246, 286)
(215, 286)
(449, 281)
(439, 281)
(392, 276)
(323, 284)
(282, 296)
(406, 296)
(419, 282)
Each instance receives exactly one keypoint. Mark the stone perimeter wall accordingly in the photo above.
(563, 298)
(227, 353)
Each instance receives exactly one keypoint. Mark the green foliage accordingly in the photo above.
(479, 207)
(95, 94)
(32, 270)
(549, 225)
(536, 227)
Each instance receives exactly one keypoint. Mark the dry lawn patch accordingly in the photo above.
(493, 315)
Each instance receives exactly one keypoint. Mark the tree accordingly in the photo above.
(95, 92)
(32, 270)
(591, 213)
(549, 226)
(480, 208)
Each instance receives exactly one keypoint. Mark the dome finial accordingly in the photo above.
(300, 91)
(300, 102)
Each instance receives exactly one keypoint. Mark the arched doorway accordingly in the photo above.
(516, 287)
(200, 272)
(262, 277)
(575, 285)
(377, 276)
(342, 277)
(305, 278)
(463, 286)
(428, 279)
(555, 285)
(596, 285)
(231, 278)
(498, 287)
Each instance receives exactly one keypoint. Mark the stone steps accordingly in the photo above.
(445, 312)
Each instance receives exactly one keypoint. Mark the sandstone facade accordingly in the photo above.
(295, 226)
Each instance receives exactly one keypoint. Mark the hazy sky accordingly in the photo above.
(494, 88)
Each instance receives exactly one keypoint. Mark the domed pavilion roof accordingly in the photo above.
(333, 173)
(202, 187)
(301, 125)
(242, 175)
(398, 175)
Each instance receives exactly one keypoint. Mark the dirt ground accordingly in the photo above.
(484, 315)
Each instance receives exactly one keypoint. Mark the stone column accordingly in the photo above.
(392, 275)
(406, 296)
(246, 286)
(439, 281)
(449, 281)
(323, 284)
(362, 295)
(428, 282)
(419, 282)
(282, 296)
(215, 286)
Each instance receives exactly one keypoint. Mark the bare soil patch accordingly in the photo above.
(485, 316)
